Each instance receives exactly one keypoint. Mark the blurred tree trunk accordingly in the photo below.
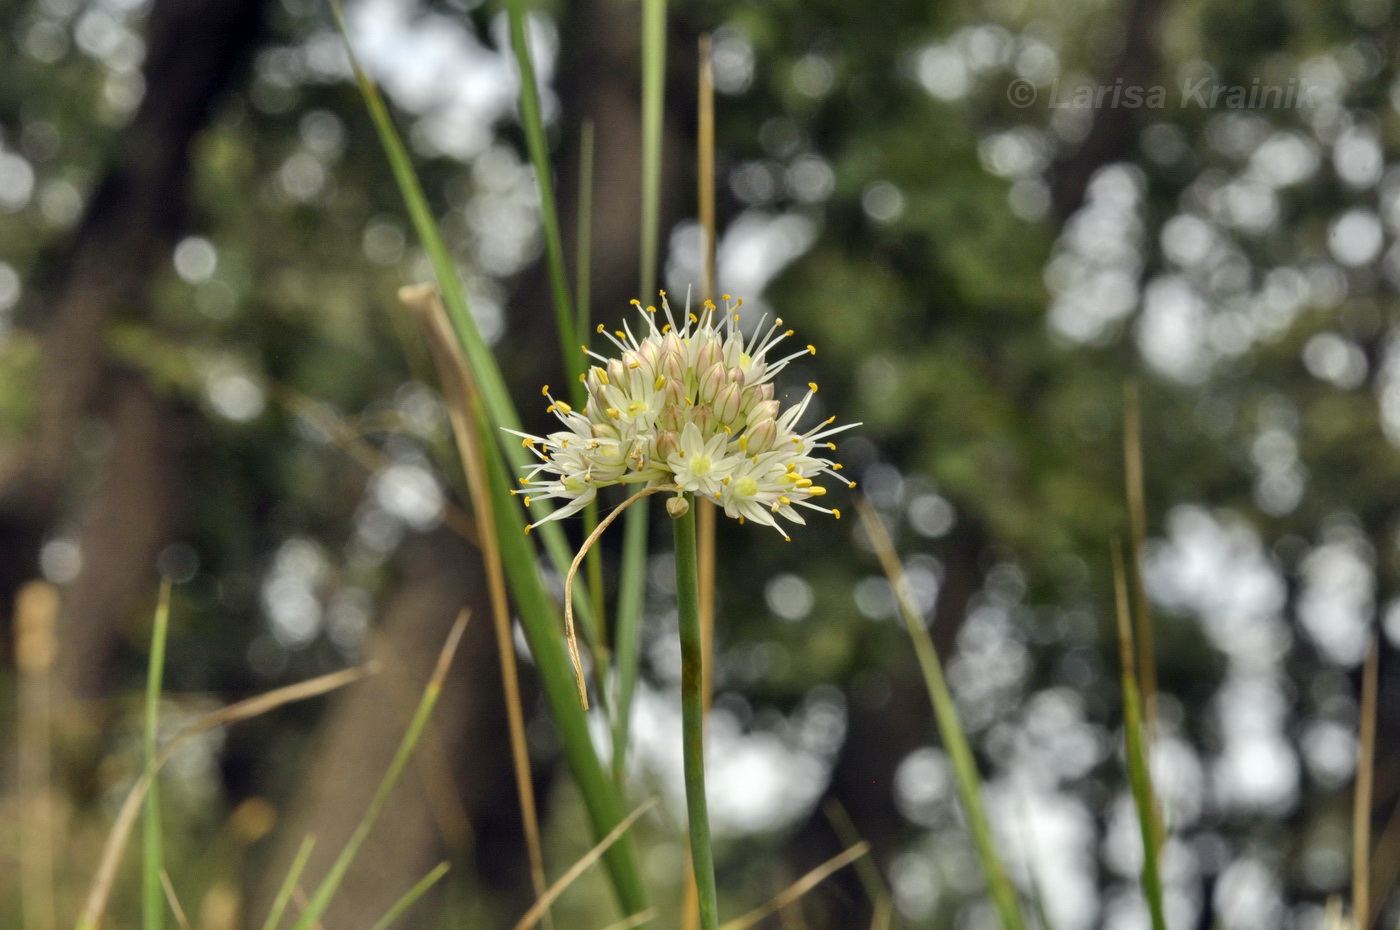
(456, 799)
(132, 221)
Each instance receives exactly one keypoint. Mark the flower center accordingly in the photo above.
(746, 487)
(700, 465)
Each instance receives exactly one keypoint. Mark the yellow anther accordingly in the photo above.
(634, 366)
(727, 431)
(851, 485)
(694, 318)
(744, 443)
(524, 480)
(789, 332)
(831, 446)
(835, 513)
(806, 483)
(813, 386)
(811, 349)
(601, 329)
(635, 302)
(659, 383)
(544, 391)
(724, 297)
(528, 528)
(837, 466)
(582, 378)
(633, 407)
(651, 309)
(741, 519)
(527, 443)
(726, 481)
(778, 321)
(613, 412)
(585, 349)
(817, 491)
(666, 329)
(740, 302)
(689, 401)
(513, 492)
(619, 334)
(662, 293)
(550, 408)
(527, 500)
(736, 318)
(602, 375)
(563, 407)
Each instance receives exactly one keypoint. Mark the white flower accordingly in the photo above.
(688, 407)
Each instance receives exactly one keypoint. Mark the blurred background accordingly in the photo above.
(205, 377)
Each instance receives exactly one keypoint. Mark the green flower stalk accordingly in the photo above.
(688, 408)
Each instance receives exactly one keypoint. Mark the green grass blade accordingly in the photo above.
(628, 639)
(1003, 893)
(539, 620)
(411, 896)
(152, 860)
(583, 289)
(327, 889)
(1139, 773)
(289, 884)
(490, 384)
(533, 123)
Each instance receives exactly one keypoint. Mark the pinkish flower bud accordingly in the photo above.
(703, 417)
(710, 383)
(728, 404)
(672, 417)
(761, 437)
(763, 410)
(667, 443)
(707, 354)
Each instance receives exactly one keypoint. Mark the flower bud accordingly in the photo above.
(674, 393)
(617, 372)
(707, 354)
(677, 506)
(761, 437)
(604, 431)
(673, 367)
(710, 383)
(763, 410)
(736, 376)
(667, 444)
(672, 345)
(729, 404)
(704, 418)
(672, 417)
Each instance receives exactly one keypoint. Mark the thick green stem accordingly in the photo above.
(693, 716)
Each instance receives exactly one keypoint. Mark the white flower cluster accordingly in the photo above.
(688, 407)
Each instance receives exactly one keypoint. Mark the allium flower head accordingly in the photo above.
(688, 407)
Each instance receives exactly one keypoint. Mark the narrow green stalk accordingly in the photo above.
(1003, 893)
(152, 894)
(327, 889)
(628, 640)
(1139, 772)
(653, 90)
(539, 619)
(533, 123)
(411, 896)
(289, 884)
(583, 295)
(693, 716)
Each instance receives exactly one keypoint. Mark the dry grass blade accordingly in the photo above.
(463, 405)
(91, 915)
(1137, 522)
(588, 544)
(1361, 808)
(173, 901)
(345, 438)
(636, 920)
(866, 870)
(532, 916)
(799, 888)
